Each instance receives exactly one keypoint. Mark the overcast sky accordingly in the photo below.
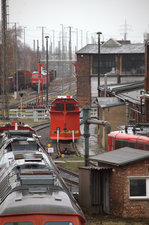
(107, 16)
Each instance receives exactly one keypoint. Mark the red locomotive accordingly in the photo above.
(65, 119)
(117, 139)
(39, 78)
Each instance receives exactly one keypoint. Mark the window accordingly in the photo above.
(34, 76)
(143, 146)
(19, 223)
(133, 64)
(123, 143)
(59, 107)
(58, 223)
(139, 187)
(107, 63)
(70, 107)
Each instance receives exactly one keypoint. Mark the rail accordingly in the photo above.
(41, 126)
(71, 178)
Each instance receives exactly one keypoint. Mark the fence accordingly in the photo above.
(29, 114)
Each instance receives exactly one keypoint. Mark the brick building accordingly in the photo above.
(120, 184)
(132, 95)
(109, 108)
(121, 61)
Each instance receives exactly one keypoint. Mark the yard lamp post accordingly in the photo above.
(99, 33)
(47, 69)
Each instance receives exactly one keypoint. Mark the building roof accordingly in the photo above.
(126, 91)
(131, 96)
(110, 48)
(111, 43)
(118, 88)
(122, 156)
(106, 102)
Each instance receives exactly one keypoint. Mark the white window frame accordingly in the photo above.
(147, 187)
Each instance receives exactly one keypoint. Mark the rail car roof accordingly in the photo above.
(36, 188)
(14, 133)
(24, 157)
(64, 98)
(21, 128)
(53, 201)
(119, 135)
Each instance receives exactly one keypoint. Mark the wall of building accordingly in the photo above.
(83, 79)
(84, 188)
(119, 64)
(111, 79)
(116, 116)
(87, 84)
(120, 204)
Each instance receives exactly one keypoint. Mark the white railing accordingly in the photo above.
(29, 114)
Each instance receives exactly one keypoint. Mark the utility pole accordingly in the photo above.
(76, 39)
(34, 45)
(16, 56)
(43, 49)
(5, 106)
(24, 60)
(62, 41)
(34, 54)
(62, 55)
(70, 51)
(87, 40)
(81, 38)
(99, 33)
(53, 52)
(146, 82)
(70, 47)
(37, 51)
(47, 69)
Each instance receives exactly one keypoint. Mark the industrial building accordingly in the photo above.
(121, 62)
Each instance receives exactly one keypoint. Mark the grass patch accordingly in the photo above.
(72, 163)
(96, 130)
(73, 166)
(72, 158)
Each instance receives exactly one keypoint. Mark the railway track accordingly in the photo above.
(59, 148)
(67, 148)
(41, 126)
(71, 179)
(30, 96)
